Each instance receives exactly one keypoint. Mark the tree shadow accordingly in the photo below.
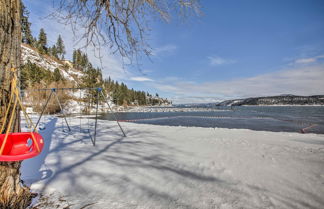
(145, 169)
(121, 164)
(31, 168)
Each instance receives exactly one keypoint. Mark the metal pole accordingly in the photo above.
(80, 112)
(106, 99)
(89, 111)
(43, 110)
(57, 99)
(95, 131)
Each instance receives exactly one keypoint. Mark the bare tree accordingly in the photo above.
(120, 24)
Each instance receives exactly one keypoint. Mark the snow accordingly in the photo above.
(34, 57)
(176, 167)
(75, 107)
(44, 61)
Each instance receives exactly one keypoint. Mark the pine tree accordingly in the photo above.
(84, 61)
(74, 56)
(42, 41)
(53, 51)
(26, 35)
(81, 61)
(60, 47)
(57, 75)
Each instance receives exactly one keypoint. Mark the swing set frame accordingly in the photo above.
(99, 93)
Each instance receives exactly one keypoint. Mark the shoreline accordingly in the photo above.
(282, 105)
(221, 128)
(298, 120)
(172, 109)
(201, 109)
(133, 121)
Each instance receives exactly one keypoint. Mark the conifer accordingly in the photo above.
(42, 41)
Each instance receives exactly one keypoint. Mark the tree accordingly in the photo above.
(60, 47)
(12, 193)
(53, 51)
(27, 37)
(57, 75)
(120, 24)
(80, 60)
(42, 41)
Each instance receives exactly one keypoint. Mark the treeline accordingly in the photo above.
(119, 92)
(276, 100)
(32, 74)
(122, 95)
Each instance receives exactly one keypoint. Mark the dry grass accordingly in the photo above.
(37, 98)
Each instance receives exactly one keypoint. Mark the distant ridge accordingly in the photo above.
(287, 99)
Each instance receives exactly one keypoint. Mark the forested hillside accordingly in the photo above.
(45, 66)
(276, 100)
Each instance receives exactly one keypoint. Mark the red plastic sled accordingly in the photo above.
(21, 146)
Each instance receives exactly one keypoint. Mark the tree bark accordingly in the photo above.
(13, 194)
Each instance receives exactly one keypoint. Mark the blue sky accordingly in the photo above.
(235, 49)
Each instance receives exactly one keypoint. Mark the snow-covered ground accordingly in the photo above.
(176, 167)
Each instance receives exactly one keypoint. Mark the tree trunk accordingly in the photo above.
(13, 194)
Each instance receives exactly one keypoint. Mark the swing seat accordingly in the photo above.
(20, 146)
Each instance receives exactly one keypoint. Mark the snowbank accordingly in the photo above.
(176, 167)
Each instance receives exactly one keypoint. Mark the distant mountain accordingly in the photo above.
(287, 99)
(195, 105)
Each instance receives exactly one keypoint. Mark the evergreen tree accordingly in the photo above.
(81, 61)
(74, 56)
(57, 75)
(26, 35)
(53, 51)
(60, 47)
(32, 74)
(42, 41)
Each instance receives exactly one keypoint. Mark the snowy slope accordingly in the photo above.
(67, 71)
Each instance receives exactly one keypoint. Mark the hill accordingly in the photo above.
(276, 100)
(42, 70)
(30, 55)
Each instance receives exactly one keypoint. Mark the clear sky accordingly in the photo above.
(235, 49)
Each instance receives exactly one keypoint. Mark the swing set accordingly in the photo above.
(99, 92)
(19, 146)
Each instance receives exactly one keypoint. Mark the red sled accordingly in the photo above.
(21, 146)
